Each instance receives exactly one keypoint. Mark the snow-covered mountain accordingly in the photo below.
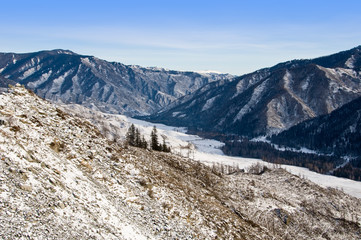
(270, 100)
(60, 178)
(61, 75)
(336, 133)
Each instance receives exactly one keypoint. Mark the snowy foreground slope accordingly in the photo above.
(60, 178)
(204, 150)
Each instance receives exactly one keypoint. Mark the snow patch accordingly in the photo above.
(58, 82)
(257, 92)
(30, 72)
(209, 103)
(350, 62)
(305, 84)
(44, 77)
(206, 72)
(86, 61)
(287, 78)
(175, 114)
(337, 84)
(274, 120)
(129, 233)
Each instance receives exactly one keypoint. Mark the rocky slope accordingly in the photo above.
(270, 100)
(60, 178)
(62, 75)
(335, 133)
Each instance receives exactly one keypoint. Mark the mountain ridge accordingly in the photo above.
(334, 133)
(270, 100)
(62, 75)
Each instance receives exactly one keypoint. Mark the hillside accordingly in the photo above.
(64, 76)
(60, 178)
(270, 100)
(335, 133)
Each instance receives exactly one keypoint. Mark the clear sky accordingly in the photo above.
(228, 36)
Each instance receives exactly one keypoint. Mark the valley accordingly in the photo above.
(62, 176)
(180, 120)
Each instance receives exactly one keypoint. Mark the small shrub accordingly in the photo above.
(61, 114)
(87, 166)
(257, 169)
(57, 146)
(15, 128)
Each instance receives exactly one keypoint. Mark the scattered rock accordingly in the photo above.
(25, 187)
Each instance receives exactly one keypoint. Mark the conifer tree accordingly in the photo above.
(137, 138)
(154, 139)
(144, 143)
(130, 137)
(164, 147)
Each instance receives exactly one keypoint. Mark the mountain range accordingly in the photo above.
(266, 102)
(336, 133)
(64, 76)
(270, 100)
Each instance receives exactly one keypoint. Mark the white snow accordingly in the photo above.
(29, 72)
(209, 72)
(335, 75)
(174, 114)
(350, 62)
(208, 151)
(57, 83)
(209, 103)
(287, 78)
(2, 69)
(255, 97)
(86, 61)
(301, 150)
(129, 233)
(41, 80)
(305, 84)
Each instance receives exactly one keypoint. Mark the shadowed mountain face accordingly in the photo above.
(62, 75)
(338, 132)
(270, 100)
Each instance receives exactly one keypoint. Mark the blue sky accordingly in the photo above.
(228, 36)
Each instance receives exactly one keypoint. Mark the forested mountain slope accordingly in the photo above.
(270, 100)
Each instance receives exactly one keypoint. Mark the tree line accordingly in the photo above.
(135, 139)
(265, 151)
(325, 164)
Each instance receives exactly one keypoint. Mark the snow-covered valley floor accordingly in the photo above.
(205, 150)
(208, 151)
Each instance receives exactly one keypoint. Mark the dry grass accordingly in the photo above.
(57, 145)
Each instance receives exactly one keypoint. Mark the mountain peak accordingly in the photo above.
(261, 103)
(55, 52)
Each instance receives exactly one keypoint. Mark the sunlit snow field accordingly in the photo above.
(208, 151)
